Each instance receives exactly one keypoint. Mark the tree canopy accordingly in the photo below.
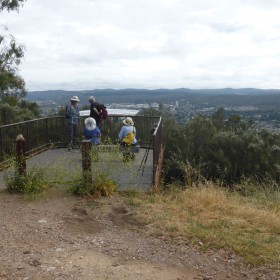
(225, 151)
(12, 86)
(11, 4)
(11, 54)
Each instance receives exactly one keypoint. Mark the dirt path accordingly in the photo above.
(63, 237)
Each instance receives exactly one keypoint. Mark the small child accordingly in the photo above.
(91, 131)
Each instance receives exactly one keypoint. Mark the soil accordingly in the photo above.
(65, 237)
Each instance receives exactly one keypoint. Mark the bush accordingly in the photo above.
(102, 185)
(31, 183)
(221, 153)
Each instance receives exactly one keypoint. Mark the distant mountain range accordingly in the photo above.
(215, 97)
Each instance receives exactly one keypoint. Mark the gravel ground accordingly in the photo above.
(63, 237)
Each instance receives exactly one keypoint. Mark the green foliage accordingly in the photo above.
(12, 86)
(102, 185)
(218, 118)
(22, 111)
(61, 111)
(226, 151)
(266, 193)
(11, 4)
(31, 183)
(151, 111)
(10, 57)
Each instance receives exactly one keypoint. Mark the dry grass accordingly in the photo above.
(216, 218)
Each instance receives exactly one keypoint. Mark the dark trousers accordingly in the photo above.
(73, 129)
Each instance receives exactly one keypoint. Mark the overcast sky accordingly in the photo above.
(89, 44)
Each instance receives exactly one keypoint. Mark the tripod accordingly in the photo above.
(144, 160)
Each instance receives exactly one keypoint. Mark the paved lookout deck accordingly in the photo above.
(63, 166)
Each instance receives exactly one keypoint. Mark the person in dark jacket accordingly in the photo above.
(95, 110)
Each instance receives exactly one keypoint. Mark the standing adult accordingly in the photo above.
(73, 116)
(95, 110)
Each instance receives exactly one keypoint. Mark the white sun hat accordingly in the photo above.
(128, 121)
(90, 123)
(75, 98)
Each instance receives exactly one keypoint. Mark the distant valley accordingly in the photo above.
(213, 97)
(259, 105)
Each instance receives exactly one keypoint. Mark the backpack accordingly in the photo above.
(128, 139)
(103, 113)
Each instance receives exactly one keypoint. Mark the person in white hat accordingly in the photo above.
(91, 131)
(127, 138)
(73, 117)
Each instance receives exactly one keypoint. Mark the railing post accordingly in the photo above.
(86, 161)
(47, 130)
(1, 146)
(20, 155)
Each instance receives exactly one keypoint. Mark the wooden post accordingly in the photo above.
(158, 170)
(86, 161)
(20, 155)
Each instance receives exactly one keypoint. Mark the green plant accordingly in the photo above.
(221, 153)
(102, 185)
(31, 183)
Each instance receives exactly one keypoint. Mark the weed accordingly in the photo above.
(102, 185)
(30, 184)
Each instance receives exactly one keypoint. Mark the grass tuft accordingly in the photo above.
(102, 185)
(217, 218)
(30, 184)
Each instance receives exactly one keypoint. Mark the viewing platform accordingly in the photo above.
(46, 149)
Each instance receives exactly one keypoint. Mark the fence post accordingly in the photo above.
(20, 155)
(86, 161)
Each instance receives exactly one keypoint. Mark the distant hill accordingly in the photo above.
(214, 97)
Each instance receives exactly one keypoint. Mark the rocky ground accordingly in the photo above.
(64, 237)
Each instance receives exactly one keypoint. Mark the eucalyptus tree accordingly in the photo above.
(11, 53)
(226, 153)
(12, 86)
(11, 4)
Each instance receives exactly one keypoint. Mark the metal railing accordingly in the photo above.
(38, 133)
(41, 133)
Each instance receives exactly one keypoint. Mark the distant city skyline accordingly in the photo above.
(149, 44)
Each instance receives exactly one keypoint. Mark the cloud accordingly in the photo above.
(90, 44)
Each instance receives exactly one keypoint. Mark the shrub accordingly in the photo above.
(102, 185)
(31, 183)
(226, 154)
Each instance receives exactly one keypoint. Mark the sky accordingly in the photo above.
(95, 44)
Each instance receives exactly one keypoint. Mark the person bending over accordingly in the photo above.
(91, 131)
